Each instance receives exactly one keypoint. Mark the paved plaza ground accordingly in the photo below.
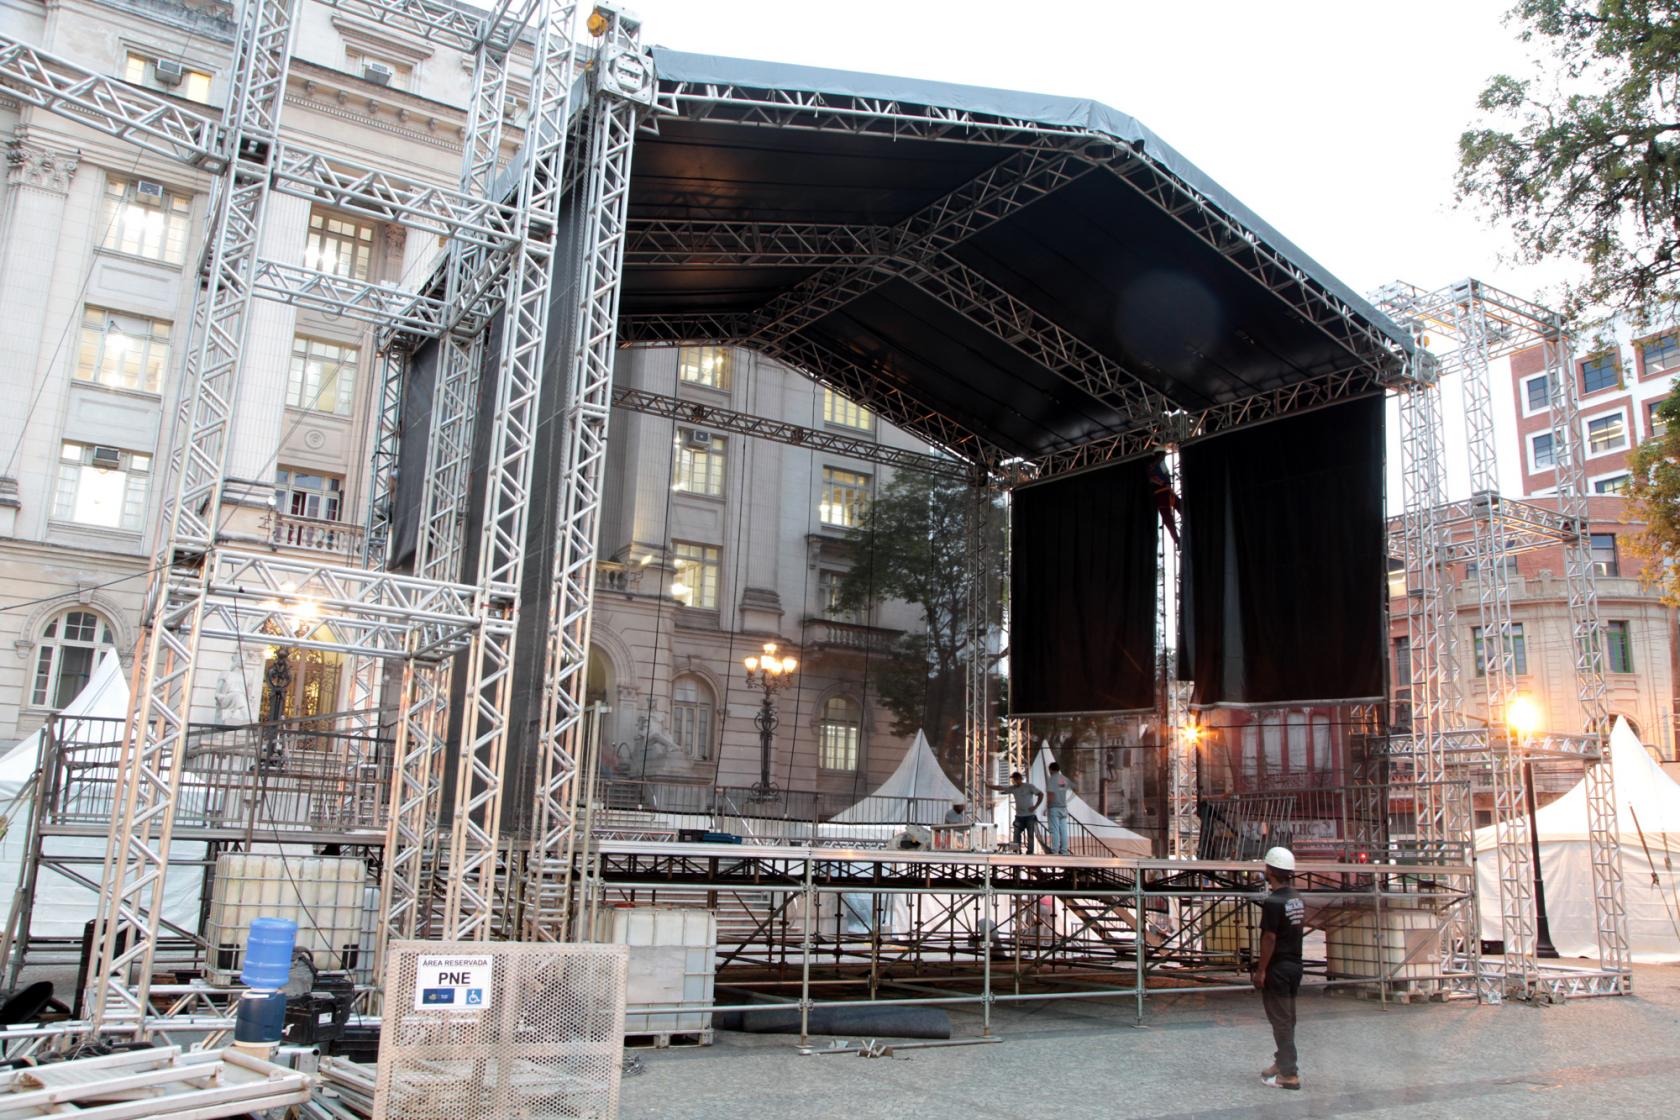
(1200, 1056)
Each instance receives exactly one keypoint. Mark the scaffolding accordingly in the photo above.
(1467, 325)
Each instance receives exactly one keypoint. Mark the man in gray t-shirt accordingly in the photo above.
(1027, 798)
(1056, 813)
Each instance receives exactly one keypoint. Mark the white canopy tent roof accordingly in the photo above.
(1647, 819)
(919, 779)
(1115, 836)
(63, 906)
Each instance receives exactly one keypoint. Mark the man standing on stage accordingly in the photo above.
(1056, 813)
(1278, 973)
(1027, 798)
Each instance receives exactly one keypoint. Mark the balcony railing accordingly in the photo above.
(614, 575)
(315, 535)
(850, 637)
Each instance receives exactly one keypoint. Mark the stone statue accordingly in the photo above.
(230, 705)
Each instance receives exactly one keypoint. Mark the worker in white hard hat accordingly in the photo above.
(1277, 974)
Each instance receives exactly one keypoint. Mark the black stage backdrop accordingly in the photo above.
(1082, 606)
(1283, 571)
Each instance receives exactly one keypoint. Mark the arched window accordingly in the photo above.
(838, 734)
(692, 709)
(64, 659)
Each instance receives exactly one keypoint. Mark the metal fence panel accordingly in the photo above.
(545, 1038)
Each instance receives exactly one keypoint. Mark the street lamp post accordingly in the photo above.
(771, 672)
(1522, 716)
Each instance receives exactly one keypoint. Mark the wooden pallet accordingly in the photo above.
(1395, 995)
(660, 1040)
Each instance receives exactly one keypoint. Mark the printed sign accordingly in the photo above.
(452, 983)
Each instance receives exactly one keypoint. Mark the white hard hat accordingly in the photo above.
(1281, 858)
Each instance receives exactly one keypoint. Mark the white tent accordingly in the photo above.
(62, 907)
(1644, 794)
(919, 785)
(1117, 837)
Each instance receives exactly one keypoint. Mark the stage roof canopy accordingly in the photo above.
(1008, 275)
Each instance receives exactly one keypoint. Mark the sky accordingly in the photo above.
(1336, 122)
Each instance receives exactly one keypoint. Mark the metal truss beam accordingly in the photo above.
(794, 435)
(388, 197)
(433, 21)
(402, 313)
(147, 120)
(711, 244)
(621, 94)
(136, 860)
(476, 883)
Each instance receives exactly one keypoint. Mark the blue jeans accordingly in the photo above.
(1057, 844)
(1026, 830)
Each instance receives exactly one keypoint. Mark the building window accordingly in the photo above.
(844, 496)
(65, 656)
(301, 494)
(1654, 423)
(1537, 393)
(711, 366)
(323, 377)
(1600, 373)
(1619, 647)
(123, 351)
(839, 410)
(1403, 662)
(692, 711)
(1540, 451)
(1607, 433)
(1604, 555)
(838, 734)
(1471, 567)
(104, 486)
(829, 598)
(696, 583)
(1519, 650)
(339, 246)
(698, 466)
(380, 71)
(1615, 484)
(166, 75)
(1660, 355)
(146, 220)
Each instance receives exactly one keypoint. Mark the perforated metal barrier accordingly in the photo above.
(479, 1030)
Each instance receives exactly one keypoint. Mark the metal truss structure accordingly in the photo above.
(1472, 324)
(554, 225)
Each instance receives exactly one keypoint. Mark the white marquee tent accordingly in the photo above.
(62, 907)
(1648, 801)
(919, 785)
(1117, 837)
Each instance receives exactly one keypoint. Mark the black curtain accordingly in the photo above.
(1082, 606)
(1284, 577)
(415, 421)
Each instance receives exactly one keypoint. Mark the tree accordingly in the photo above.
(912, 545)
(1582, 158)
(1654, 488)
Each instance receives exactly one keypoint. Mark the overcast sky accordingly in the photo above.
(1337, 122)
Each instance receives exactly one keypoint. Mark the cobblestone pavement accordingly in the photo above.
(1200, 1056)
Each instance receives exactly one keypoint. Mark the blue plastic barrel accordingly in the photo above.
(268, 952)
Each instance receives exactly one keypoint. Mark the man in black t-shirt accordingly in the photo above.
(1278, 973)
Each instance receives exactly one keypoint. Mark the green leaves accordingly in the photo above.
(1581, 160)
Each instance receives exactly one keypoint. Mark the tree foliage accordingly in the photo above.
(1654, 488)
(1582, 157)
(913, 546)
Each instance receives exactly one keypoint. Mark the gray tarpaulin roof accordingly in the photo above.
(1112, 261)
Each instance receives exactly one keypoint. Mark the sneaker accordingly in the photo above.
(1278, 1081)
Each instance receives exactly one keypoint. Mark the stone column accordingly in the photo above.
(259, 405)
(37, 180)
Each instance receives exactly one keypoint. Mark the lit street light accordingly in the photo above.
(771, 672)
(1522, 717)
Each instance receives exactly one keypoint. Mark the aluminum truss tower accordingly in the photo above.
(502, 239)
(1483, 323)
